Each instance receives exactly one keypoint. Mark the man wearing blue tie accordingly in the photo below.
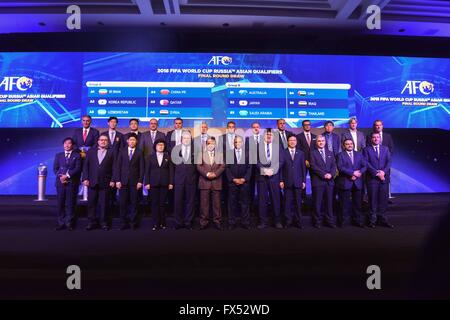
(293, 181)
(351, 166)
(67, 169)
(378, 160)
(323, 170)
(332, 140)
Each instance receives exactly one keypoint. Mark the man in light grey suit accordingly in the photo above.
(148, 138)
(359, 141)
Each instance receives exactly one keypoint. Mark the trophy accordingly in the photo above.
(42, 179)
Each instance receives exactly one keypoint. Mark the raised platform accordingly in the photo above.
(210, 264)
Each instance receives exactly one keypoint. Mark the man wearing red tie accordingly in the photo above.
(85, 137)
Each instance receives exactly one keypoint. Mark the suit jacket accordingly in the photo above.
(99, 174)
(129, 172)
(302, 144)
(346, 169)
(336, 143)
(72, 167)
(374, 163)
(361, 141)
(91, 139)
(205, 183)
(170, 143)
(146, 144)
(239, 170)
(319, 168)
(118, 143)
(288, 134)
(184, 173)
(156, 175)
(293, 171)
(276, 164)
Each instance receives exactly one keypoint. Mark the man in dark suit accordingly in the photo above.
(129, 176)
(268, 179)
(97, 176)
(67, 169)
(251, 149)
(133, 125)
(332, 140)
(158, 181)
(283, 133)
(238, 175)
(185, 181)
(86, 137)
(210, 184)
(115, 138)
(147, 139)
(200, 140)
(306, 142)
(351, 166)
(293, 181)
(359, 142)
(323, 170)
(173, 137)
(378, 160)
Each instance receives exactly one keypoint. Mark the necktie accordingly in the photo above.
(186, 155)
(131, 154)
(292, 154)
(153, 137)
(111, 137)
(377, 151)
(322, 153)
(283, 139)
(84, 135)
(351, 156)
(257, 139)
(67, 157)
(211, 158)
(308, 139)
(268, 152)
(238, 155)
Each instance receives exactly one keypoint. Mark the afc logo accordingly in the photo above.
(19, 83)
(220, 60)
(424, 87)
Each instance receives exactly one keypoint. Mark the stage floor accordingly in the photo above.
(211, 264)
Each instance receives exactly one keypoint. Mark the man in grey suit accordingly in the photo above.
(147, 140)
(210, 184)
(359, 141)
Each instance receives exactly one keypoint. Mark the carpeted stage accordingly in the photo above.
(211, 264)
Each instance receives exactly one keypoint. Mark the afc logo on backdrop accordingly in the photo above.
(13, 83)
(412, 87)
(220, 60)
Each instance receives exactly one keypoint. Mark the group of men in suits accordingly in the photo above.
(267, 170)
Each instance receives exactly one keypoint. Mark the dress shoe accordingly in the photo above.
(246, 226)
(330, 225)
(231, 226)
(386, 224)
(60, 227)
(134, 226)
(218, 227)
(178, 227)
(162, 227)
(261, 226)
(359, 224)
(299, 226)
(70, 227)
(278, 225)
(105, 228)
(287, 225)
(371, 225)
(189, 227)
(204, 227)
(317, 226)
(154, 228)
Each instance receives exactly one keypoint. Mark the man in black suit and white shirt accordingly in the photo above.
(352, 133)
(97, 176)
(283, 133)
(85, 136)
(115, 138)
